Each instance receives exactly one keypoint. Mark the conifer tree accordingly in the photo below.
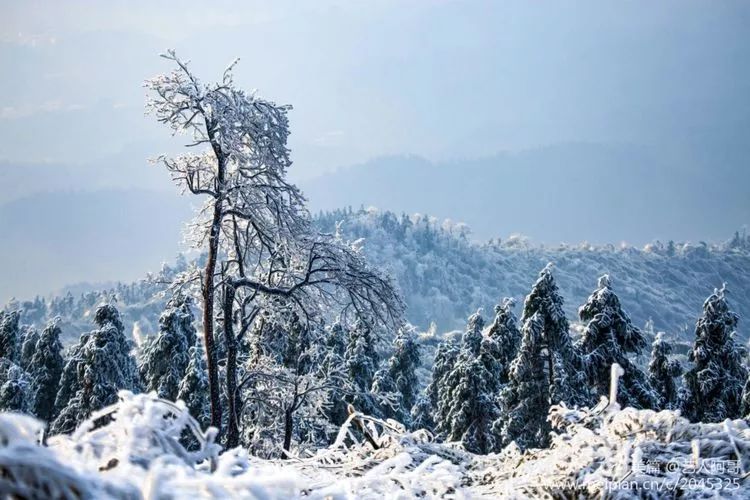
(9, 335)
(467, 403)
(399, 378)
(15, 388)
(361, 358)
(525, 400)
(45, 369)
(165, 359)
(100, 367)
(565, 380)
(712, 387)
(608, 338)
(425, 415)
(335, 357)
(27, 342)
(545, 370)
(506, 336)
(662, 372)
(193, 388)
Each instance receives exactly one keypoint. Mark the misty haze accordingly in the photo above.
(377, 249)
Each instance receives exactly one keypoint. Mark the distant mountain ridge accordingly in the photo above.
(600, 193)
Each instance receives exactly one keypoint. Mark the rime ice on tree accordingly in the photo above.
(712, 386)
(608, 338)
(98, 368)
(662, 372)
(544, 371)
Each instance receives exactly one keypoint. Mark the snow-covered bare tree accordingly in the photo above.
(745, 406)
(45, 369)
(609, 337)
(662, 372)
(239, 168)
(254, 223)
(100, 366)
(165, 358)
(712, 386)
(285, 387)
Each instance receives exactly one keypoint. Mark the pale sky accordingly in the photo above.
(440, 79)
(655, 91)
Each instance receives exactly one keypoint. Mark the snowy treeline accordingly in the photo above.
(299, 382)
(443, 274)
(495, 385)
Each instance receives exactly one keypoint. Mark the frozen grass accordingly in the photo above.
(135, 451)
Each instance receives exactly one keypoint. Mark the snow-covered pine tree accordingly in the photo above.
(545, 370)
(335, 346)
(193, 388)
(608, 338)
(425, 414)
(69, 380)
(566, 381)
(102, 365)
(525, 400)
(662, 372)
(467, 403)
(45, 370)
(16, 393)
(9, 335)
(399, 376)
(712, 387)
(164, 360)
(506, 336)
(361, 359)
(28, 340)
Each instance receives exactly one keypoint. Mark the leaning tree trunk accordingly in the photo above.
(233, 433)
(208, 317)
(208, 286)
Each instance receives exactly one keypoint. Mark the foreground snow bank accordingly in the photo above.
(135, 451)
(613, 453)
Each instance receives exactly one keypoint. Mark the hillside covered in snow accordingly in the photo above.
(445, 276)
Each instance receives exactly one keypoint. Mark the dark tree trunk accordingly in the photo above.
(233, 433)
(208, 317)
(288, 421)
(208, 287)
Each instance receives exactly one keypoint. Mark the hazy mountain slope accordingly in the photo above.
(570, 193)
(444, 277)
(53, 239)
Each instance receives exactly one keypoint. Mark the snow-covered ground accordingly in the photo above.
(606, 452)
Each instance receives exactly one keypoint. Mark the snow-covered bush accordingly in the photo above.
(605, 452)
